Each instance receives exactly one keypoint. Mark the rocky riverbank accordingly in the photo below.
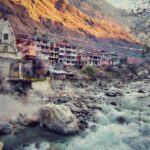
(68, 108)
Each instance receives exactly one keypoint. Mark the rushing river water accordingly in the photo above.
(108, 134)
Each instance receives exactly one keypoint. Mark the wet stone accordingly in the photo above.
(63, 99)
(83, 124)
(110, 94)
(5, 129)
(121, 120)
(113, 103)
(141, 91)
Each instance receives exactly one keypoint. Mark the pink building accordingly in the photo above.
(106, 62)
(133, 60)
(26, 48)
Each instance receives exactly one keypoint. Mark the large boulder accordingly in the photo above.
(5, 128)
(59, 118)
(1, 145)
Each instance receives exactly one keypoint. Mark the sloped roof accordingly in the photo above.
(2, 25)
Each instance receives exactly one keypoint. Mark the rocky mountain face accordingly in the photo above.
(74, 20)
(102, 9)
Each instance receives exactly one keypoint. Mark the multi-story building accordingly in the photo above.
(67, 54)
(93, 58)
(26, 47)
(54, 54)
(64, 53)
(108, 58)
(39, 46)
(82, 58)
(97, 58)
(90, 58)
(47, 46)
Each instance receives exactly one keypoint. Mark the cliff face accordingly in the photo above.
(61, 19)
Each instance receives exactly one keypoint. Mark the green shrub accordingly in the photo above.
(90, 71)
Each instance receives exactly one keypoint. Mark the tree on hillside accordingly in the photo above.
(142, 26)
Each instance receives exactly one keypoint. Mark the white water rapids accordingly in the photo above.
(134, 134)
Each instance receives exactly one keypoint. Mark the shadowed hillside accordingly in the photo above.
(62, 20)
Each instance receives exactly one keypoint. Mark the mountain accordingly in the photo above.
(63, 20)
(102, 9)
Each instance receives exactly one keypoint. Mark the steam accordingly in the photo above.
(5, 86)
(10, 107)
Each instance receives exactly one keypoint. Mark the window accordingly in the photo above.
(5, 36)
(5, 48)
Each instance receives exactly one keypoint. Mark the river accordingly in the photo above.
(130, 132)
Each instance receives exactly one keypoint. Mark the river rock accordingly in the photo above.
(59, 118)
(83, 124)
(63, 99)
(28, 120)
(53, 148)
(81, 85)
(94, 106)
(1, 145)
(113, 93)
(121, 120)
(141, 91)
(72, 107)
(113, 103)
(5, 128)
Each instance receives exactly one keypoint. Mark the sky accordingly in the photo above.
(121, 3)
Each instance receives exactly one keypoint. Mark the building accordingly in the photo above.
(54, 54)
(89, 58)
(81, 59)
(26, 48)
(132, 60)
(38, 45)
(93, 58)
(96, 58)
(67, 54)
(107, 58)
(47, 46)
(10, 65)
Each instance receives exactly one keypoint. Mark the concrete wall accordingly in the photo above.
(4, 67)
(7, 48)
(42, 87)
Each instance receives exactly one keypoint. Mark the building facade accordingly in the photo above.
(7, 38)
(39, 46)
(26, 48)
(67, 54)
(97, 58)
(108, 58)
(9, 59)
